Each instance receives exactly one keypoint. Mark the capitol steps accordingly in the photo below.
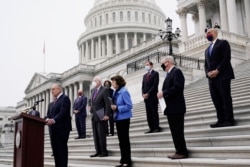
(221, 147)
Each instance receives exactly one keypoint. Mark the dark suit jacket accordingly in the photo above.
(173, 92)
(80, 105)
(150, 86)
(220, 59)
(60, 112)
(101, 101)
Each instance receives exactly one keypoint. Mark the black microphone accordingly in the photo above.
(39, 101)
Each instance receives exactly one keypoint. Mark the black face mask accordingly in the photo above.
(163, 67)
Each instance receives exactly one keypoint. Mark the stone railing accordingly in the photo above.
(201, 40)
(78, 68)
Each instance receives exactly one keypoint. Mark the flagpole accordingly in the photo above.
(44, 56)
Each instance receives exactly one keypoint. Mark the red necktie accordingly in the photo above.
(147, 76)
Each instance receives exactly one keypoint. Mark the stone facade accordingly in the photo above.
(108, 46)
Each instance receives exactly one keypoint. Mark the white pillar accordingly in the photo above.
(126, 41)
(108, 45)
(232, 16)
(87, 51)
(135, 38)
(183, 17)
(92, 49)
(117, 43)
(103, 48)
(83, 57)
(75, 91)
(81, 85)
(99, 54)
(144, 37)
(223, 15)
(202, 15)
(80, 53)
(70, 96)
(247, 10)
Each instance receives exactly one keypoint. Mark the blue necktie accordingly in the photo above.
(210, 49)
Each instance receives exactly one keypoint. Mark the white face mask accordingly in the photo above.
(93, 85)
(147, 68)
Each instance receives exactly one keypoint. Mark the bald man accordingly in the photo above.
(100, 109)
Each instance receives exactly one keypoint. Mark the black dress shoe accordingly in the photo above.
(177, 156)
(226, 124)
(103, 155)
(216, 125)
(149, 131)
(77, 138)
(119, 165)
(95, 155)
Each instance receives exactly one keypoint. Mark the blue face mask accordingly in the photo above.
(210, 38)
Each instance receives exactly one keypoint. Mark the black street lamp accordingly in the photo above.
(168, 34)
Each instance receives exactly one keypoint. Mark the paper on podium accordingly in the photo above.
(162, 104)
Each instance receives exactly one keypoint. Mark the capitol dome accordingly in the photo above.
(113, 26)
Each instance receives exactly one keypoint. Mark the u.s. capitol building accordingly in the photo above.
(122, 34)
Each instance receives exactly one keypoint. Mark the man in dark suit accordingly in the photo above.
(173, 94)
(59, 121)
(34, 112)
(219, 72)
(79, 109)
(150, 84)
(99, 102)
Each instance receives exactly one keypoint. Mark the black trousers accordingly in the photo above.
(59, 142)
(176, 125)
(80, 125)
(151, 105)
(110, 125)
(220, 91)
(122, 127)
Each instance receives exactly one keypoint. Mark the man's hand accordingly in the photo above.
(145, 96)
(49, 121)
(213, 74)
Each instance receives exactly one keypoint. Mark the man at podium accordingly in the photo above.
(34, 112)
(59, 121)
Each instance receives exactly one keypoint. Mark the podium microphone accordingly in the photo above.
(39, 101)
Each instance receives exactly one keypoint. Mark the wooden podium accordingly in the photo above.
(28, 141)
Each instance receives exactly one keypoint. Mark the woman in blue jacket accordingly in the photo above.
(122, 107)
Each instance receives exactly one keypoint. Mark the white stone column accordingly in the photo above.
(99, 54)
(83, 58)
(87, 51)
(80, 53)
(81, 85)
(247, 10)
(103, 48)
(75, 91)
(108, 45)
(47, 99)
(135, 38)
(232, 16)
(223, 15)
(70, 96)
(202, 15)
(144, 37)
(92, 49)
(126, 41)
(183, 17)
(117, 43)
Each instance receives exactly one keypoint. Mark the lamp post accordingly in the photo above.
(168, 34)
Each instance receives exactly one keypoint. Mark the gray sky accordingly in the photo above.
(26, 24)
